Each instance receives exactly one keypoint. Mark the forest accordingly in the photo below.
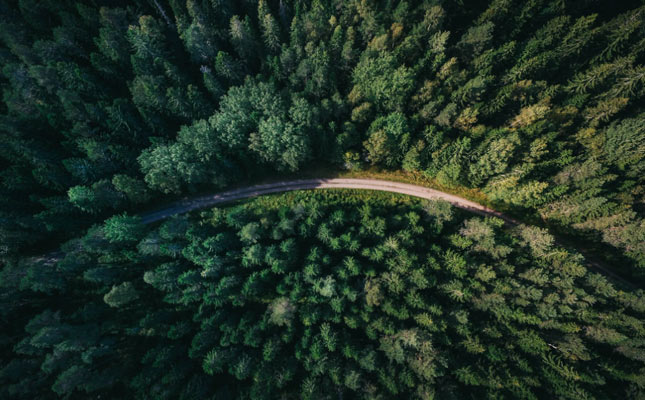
(112, 107)
(322, 296)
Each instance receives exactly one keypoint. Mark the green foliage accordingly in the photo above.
(245, 296)
(388, 140)
(97, 198)
(281, 311)
(102, 100)
(135, 190)
(108, 105)
(380, 81)
(475, 40)
(123, 228)
(121, 295)
(280, 143)
(624, 146)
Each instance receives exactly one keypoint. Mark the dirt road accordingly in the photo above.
(186, 205)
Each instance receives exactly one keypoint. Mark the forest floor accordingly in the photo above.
(416, 190)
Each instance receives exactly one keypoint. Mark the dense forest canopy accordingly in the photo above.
(111, 106)
(108, 104)
(322, 296)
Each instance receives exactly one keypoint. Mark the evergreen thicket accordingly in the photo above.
(321, 296)
(111, 106)
(107, 104)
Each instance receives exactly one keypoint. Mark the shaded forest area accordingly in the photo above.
(108, 105)
(319, 295)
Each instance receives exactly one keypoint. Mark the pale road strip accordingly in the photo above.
(183, 206)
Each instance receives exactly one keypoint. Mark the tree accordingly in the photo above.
(483, 234)
(243, 39)
(121, 295)
(280, 143)
(111, 41)
(447, 164)
(159, 167)
(250, 233)
(281, 311)
(389, 139)
(270, 27)
(42, 276)
(473, 42)
(241, 109)
(382, 82)
(97, 198)
(123, 228)
(539, 240)
(164, 277)
(200, 36)
(625, 145)
(494, 160)
(373, 295)
(135, 190)
(228, 68)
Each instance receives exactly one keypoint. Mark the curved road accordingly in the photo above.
(183, 206)
(186, 205)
